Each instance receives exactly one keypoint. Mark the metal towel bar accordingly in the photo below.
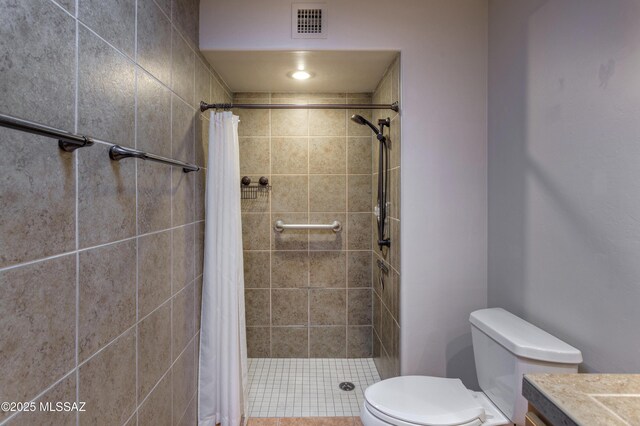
(280, 226)
(118, 152)
(68, 142)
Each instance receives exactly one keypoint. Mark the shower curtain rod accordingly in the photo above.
(205, 106)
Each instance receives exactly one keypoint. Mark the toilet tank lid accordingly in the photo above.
(522, 338)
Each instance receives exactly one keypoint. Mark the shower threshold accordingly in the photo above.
(308, 387)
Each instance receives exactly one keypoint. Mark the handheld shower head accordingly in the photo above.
(364, 122)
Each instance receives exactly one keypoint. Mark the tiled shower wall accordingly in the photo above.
(101, 261)
(386, 286)
(308, 293)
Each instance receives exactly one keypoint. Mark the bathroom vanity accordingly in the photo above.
(582, 399)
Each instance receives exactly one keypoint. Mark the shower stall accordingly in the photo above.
(320, 223)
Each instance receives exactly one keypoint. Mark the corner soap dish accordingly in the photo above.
(251, 192)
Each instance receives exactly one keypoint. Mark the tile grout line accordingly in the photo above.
(308, 272)
(136, 164)
(77, 211)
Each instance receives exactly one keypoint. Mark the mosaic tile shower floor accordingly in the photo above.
(298, 387)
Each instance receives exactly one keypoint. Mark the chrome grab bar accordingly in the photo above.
(280, 226)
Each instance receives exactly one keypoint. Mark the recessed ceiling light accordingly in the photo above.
(300, 75)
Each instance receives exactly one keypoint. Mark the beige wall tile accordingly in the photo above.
(394, 193)
(327, 307)
(256, 269)
(253, 122)
(202, 139)
(328, 342)
(255, 156)
(359, 231)
(359, 193)
(289, 122)
(37, 326)
(395, 141)
(154, 271)
(107, 302)
(327, 155)
(289, 193)
(289, 269)
(289, 342)
(290, 155)
(154, 348)
(198, 306)
(183, 130)
(327, 193)
(199, 248)
(183, 197)
(183, 325)
(359, 344)
(256, 231)
(257, 307)
(327, 269)
(183, 242)
(327, 122)
(106, 196)
(108, 383)
(156, 410)
(190, 417)
(258, 342)
(38, 219)
(359, 269)
(200, 189)
(394, 249)
(154, 197)
(184, 381)
(359, 150)
(65, 390)
(289, 307)
(359, 306)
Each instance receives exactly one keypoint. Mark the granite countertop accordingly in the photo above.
(585, 399)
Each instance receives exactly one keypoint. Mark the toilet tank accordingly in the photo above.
(505, 348)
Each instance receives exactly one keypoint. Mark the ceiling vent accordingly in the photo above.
(308, 20)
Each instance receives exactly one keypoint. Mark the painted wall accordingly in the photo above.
(444, 153)
(101, 261)
(564, 176)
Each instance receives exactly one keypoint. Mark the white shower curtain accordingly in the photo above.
(222, 381)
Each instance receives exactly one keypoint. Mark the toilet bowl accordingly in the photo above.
(423, 400)
(505, 348)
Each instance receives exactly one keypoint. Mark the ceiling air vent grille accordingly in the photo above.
(308, 20)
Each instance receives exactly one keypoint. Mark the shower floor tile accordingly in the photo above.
(298, 387)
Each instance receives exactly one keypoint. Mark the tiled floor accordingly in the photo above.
(308, 387)
(305, 421)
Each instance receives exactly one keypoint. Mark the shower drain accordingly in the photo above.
(347, 386)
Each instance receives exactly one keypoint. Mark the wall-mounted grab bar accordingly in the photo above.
(118, 152)
(68, 142)
(280, 226)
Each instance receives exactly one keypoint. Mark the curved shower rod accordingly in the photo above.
(205, 106)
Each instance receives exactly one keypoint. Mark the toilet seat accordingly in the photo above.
(424, 401)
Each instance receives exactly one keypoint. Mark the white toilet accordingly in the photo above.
(505, 348)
